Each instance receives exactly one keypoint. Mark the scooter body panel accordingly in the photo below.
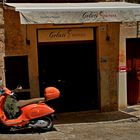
(33, 111)
(29, 112)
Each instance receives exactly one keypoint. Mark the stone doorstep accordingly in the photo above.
(133, 110)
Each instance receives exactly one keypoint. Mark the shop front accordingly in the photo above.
(76, 48)
(67, 60)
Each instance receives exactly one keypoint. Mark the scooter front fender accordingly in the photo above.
(34, 111)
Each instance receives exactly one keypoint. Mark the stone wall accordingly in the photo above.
(2, 43)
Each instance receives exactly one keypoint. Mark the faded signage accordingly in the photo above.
(89, 15)
(80, 16)
(57, 35)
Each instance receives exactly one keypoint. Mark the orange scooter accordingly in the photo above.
(34, 113)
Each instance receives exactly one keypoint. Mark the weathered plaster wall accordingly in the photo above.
(127, 30)
(108, 61)
(14, 40)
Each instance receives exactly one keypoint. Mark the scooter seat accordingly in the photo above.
(22, 103)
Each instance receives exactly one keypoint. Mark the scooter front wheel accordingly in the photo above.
(48, 124)
(42, 124)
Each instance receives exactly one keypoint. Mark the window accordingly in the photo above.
(16, 72)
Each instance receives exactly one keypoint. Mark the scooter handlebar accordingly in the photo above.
(5, 91)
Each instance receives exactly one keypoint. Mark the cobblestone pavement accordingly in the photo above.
(89, 125)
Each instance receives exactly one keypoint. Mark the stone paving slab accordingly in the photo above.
(133, 110)
(87, 125)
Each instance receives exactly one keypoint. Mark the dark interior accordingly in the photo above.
(16, 71)
(72, 68)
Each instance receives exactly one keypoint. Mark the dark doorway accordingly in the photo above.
(72, 68)
(133, 72)
(16, 72)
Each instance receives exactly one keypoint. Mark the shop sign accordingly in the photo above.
(88, 16)
(58, 35)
